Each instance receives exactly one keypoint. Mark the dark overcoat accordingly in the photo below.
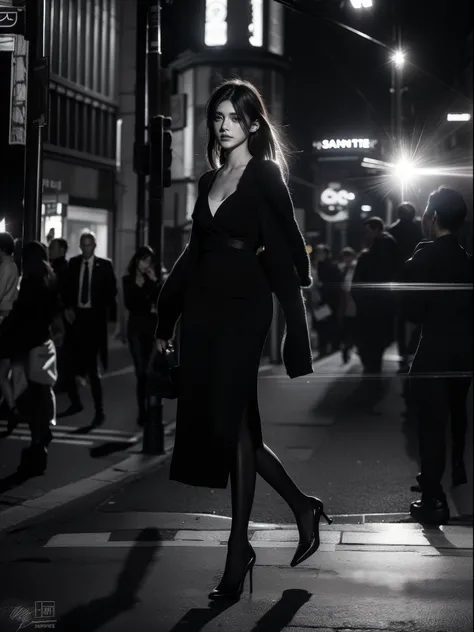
(224, 296)
(103, 298)
(284, 259)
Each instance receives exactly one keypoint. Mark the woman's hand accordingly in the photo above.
(162, 345)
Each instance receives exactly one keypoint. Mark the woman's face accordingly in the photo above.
(227, 127)
(144, 265)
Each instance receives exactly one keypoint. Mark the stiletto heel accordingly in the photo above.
(305, 550)
(235, 593)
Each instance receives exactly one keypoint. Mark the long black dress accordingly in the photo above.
(226, 313)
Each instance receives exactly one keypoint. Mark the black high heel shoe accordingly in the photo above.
(305, 550)
(225, 592)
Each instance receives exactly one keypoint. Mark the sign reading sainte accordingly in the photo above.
(345, 143)
(12, 21)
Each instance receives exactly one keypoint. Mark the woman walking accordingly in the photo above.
(140, 292)
(244, 244)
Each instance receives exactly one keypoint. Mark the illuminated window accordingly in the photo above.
(256, 26)
(215, 33)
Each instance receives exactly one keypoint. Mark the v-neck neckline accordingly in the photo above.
(214, 176)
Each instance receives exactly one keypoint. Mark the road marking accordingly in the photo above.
(20, 432)
(65, 441)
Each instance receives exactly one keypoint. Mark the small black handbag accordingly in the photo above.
(164, 375)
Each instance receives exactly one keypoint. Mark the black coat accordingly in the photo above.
(284, 260)
(407, 234)
(103, 297)
(441, 301)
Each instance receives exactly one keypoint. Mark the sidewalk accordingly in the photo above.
(79, 456)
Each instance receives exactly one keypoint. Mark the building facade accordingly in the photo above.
(80, 139)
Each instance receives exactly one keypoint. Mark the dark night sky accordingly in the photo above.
(341, 82)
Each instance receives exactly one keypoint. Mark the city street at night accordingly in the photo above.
(145, 553)
(236, 316)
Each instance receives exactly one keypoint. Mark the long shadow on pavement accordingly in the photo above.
(276, 619)
(352, 393)
(95, 614)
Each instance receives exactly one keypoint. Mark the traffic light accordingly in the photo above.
(167, 151)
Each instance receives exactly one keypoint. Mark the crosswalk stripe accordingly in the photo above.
(66, 431)
(66, 441)
(72, 435)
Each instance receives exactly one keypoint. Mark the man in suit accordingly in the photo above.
(408, 234)
(441, 373)
(92, 309)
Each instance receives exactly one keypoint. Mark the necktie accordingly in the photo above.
(85, 284)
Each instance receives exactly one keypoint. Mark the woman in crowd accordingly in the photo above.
(244, 243)
(26, 339)
(140, 291)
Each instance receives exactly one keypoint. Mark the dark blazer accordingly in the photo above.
(441, 301)
(103, 296)
(284, 260)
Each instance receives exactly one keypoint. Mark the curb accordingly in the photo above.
(130, 468)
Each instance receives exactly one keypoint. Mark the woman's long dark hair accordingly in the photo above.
(142, 253)
(265, 144)
(35, 264)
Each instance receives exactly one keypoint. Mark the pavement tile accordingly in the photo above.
(291, 535)
(77, 539)
(218, 536)
(391, 537)
(383, 548)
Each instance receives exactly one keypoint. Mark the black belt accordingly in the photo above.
(214, 243)
(240, 244)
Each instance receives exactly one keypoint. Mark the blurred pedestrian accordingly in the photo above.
(92, 312)
(408, 234)
(9, 279)
(348, 310)
(140, 291)
(441, 372)
(25, 338)
(58, 248)
(328, 282)
(377, 266)
(222, 289)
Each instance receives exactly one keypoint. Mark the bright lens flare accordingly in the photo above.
(398, 58)
(404, 170)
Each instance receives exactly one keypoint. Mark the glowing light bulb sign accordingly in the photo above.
(334, 202)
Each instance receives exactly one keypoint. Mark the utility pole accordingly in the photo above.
(140, 123)
(37, 105)
(153, 430)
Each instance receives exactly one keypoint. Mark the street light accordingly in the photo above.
(459, 118)
(398, 58)
(362, 4)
